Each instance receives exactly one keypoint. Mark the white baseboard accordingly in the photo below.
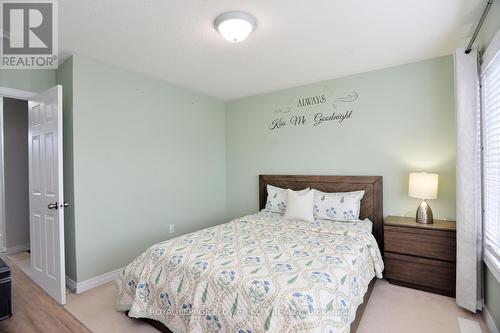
(489, 321)
(80, 287)
(17, 248)
(70, 284)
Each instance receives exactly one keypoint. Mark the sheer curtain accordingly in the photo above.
(468, 168)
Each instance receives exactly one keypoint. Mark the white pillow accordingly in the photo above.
(339, 206)
(276, 198)
(299, 206)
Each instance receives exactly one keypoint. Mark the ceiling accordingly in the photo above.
(296, 41)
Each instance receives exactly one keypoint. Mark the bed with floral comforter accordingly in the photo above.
(258, 273)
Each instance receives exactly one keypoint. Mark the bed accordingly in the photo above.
(262, 273)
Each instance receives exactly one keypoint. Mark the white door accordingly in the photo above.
(46, 192)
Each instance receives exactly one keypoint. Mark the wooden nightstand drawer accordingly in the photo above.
(434, 244)
(420, 256)
(421, 273)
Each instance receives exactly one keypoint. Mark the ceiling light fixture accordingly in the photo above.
(235, 26)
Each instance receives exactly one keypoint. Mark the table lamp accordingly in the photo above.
(423, 186)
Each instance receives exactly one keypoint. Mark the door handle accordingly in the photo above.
(53, 205)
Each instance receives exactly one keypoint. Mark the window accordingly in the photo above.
(490, 100)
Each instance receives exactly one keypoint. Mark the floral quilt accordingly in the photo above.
(258, 273)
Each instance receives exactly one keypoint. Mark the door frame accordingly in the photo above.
(17, 94)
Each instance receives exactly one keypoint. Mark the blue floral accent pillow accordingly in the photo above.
(276, 199)
(338, 206)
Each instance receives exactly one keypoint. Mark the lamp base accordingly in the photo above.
(424, 213)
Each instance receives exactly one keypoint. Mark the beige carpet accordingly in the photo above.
(394, 309)
(391, 309)
(96, 310)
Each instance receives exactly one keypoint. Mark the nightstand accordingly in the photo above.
(420, 256)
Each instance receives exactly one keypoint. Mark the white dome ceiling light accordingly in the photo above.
(235, 26)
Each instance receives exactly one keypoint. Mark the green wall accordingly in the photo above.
(492, 299)
(402, 121)
(492, 290)
(28, 79)
(139, 155)
(146, 154)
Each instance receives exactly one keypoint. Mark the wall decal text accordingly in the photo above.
(338, 110)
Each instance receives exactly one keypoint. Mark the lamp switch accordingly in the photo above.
(171, 229)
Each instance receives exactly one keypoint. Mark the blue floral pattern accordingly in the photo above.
(132, 286)
(315, 211)
(198, 268)
(281, 206)
(185, 242)
(251, 260)
(226, 253)
(269, 205)
(258, 290)
(226, 278)
(332, 260)
(301, 305)
(321, 277)
(276, 199)
(349, 215)
(340, 206)
(300, 254)
(156, 254)
(165, 301)
(143, 291)
(283, 267)
(272, 249)
(213, 324)
(259, 273)
(205, 247)
(186, 311)
(331, 213)
(174, 262)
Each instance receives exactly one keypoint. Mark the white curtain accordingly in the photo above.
(469, 221)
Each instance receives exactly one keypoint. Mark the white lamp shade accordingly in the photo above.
(423, 185)
(235, 26)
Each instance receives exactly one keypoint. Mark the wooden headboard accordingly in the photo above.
(371, 204)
